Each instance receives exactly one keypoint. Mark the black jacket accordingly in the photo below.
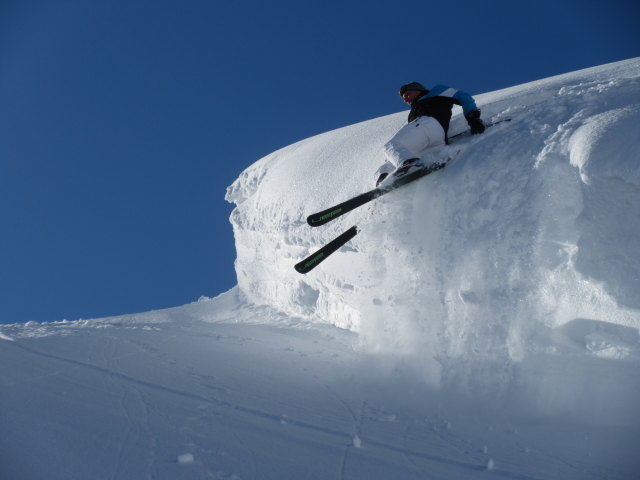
(438, 103)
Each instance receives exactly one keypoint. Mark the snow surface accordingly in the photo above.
(484, 323)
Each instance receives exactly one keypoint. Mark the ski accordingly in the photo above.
(403, 175)
(400, 177)
(313, 260)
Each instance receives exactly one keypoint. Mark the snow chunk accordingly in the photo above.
(606, 145)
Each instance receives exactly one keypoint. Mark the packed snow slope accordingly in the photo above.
(483, 325)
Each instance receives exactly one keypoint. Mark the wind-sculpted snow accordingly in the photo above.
(483, 267)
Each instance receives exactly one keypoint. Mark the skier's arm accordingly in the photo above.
(459, 97)
(469, 108)
(466, 101)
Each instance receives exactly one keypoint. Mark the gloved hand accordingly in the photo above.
(475, 123)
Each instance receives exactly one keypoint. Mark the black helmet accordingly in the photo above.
(411, 86)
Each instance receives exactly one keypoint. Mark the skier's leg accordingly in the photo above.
(434, 137)
(414, 139)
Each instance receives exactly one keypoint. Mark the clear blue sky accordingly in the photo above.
(122, 122)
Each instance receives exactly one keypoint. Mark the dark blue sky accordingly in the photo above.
(122, 122)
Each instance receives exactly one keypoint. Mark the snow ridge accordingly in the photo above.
(527, 244)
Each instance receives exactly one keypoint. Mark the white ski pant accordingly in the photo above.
(412, 141)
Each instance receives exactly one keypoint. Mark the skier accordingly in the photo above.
(427, 125)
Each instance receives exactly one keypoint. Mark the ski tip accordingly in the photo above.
(311, 262)
(317, 219)
(300, 269)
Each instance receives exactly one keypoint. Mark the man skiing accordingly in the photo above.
(427, 125)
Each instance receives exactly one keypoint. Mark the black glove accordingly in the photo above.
(475, 123)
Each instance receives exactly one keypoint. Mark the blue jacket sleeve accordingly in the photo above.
(460, 97)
